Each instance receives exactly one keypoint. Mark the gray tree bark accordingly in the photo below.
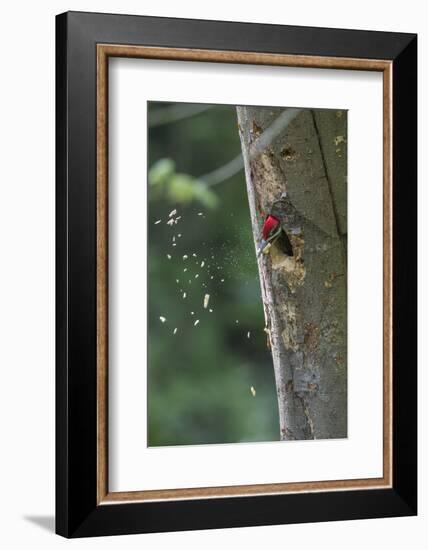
(304, 295)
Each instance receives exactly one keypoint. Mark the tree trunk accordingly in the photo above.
(299, 159)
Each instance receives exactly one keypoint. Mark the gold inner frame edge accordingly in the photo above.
(104, 51)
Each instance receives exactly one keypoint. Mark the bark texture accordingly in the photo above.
(304, 295)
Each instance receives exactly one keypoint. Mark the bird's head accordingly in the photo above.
(270, 228)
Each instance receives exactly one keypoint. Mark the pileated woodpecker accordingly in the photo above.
(273, 232)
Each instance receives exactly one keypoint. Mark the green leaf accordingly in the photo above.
(180, 188)
(161, 171)
(205, 195)
(183, 188)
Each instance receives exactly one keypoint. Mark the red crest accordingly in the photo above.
(269, 225)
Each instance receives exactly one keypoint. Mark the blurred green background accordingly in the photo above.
(209, 382)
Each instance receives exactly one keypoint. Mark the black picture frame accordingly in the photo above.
(78, 513)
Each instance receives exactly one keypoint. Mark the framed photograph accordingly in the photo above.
(236, 274)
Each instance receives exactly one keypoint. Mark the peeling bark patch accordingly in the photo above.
(331, 332)
(256, 129)
(292, 267)
(312, 337)
(306, 425)
(339, 139)
(309, 419)
(339, 359)
(267, 179)
(289, 334)
(288, 154)
(268, 335)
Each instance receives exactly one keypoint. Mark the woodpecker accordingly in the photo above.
(270, 232)
(273, 232)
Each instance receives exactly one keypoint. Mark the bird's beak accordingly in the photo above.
(264, 247)
(262, 244)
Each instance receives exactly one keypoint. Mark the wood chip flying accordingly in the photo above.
(206, 300)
